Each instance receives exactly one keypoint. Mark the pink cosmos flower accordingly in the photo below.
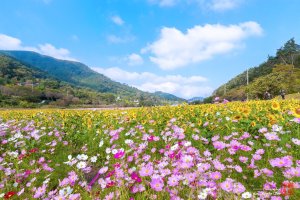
(103, 170)
(157, 184)
(285, 161)
(72, 178)
(219, 145)
(270, 185)
(227, 185)
(215, 175)
(40, 191)
(191, 177)
(267, 172)
(74, 196)
(276, 198)
(146, 170)
(238, 188)
(173, 180)
(272, 136)
(243, 159)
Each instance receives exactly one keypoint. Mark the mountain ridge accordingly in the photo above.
(79, 74)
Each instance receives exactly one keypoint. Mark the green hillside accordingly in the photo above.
(24, 86)
(278, 72)
(78, 74)
(168, 96)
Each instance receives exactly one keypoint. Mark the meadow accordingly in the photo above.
(239, 150)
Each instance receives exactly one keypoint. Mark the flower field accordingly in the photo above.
(241, 150)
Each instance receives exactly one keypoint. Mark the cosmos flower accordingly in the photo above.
(157, 184)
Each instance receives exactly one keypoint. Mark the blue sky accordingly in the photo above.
(184, 47)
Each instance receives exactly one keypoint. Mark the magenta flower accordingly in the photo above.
(157, 184)
(135, 177)
(119, 154)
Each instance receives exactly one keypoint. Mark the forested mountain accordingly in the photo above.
(168, 96)
(278, 72)
(74, 75)
(72, 72)
(23, 85)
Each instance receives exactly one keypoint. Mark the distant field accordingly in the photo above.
(239, 150)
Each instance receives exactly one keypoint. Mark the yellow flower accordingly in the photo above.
(296, 112)
(275, 105)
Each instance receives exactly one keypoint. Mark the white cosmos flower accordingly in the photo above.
(246, 195)
(93, 159)
(108, 150)
(81, 165)
(174, 147)
(187, 144)
(296, 141)
(202, 195)
(101, 143)
(18, 135)
(114, 151)
(69, 157)
(128, 141)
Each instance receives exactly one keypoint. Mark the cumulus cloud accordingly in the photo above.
(135, 59)
(175, 49)
(12, 43)
(182, 86)
(117, 20)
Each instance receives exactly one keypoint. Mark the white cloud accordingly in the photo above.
(117, 20)
(135, 59)
(11, 43)
(179, 85)
(175, 49)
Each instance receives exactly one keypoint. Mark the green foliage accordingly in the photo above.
(279, 72)
(80, 75)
